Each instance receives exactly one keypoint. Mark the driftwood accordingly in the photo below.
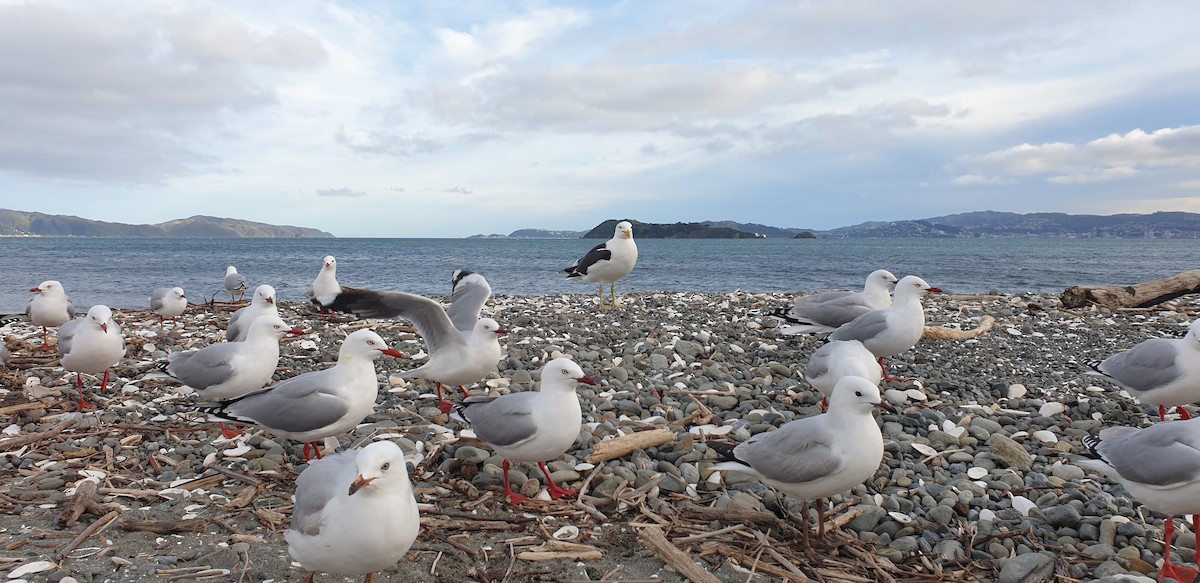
(83, 501)
(1142, 295)
(654, 538)
(941, 333)
(165, 526)
(619, 446)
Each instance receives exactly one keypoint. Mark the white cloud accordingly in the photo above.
(340, 193)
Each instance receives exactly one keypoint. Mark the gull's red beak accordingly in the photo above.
(393, 352)
(104, 326)
(296, 332)
(270, 300)
(501, 331)
(885, 406)
(182, 296)
(934, 290)
(359, 483)
(36, 290)
(586, 381)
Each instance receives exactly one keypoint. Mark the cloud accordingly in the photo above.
(459, 190)
(340, 192)
(1113, 157)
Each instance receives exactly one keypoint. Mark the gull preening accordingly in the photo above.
(1158, 371)
(354, 514)
(317, 404)
(457, 356)
(894, 329)
(91, 345)
(235, 283)
(168, 302)
(824, 312)
(50, 308)
(1160, 467)
(262, 303)
(819, 456)
(607, 262)
(532, 426)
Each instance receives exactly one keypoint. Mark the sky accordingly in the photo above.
(437, 119)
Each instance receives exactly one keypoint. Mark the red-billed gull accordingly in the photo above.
(168, 302)
(894, 329)
(1158, 371)
(91, 345)
(823, 313)
(49, 308)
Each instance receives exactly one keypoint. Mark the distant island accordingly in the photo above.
(21, 223)
(974, 225)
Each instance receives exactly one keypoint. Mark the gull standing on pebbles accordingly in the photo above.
(1158, 371)
(355, 512)
(168, 302)
(817, 456)
(894, 329)
(228, 370)
(317, 404)
(837, 359)
(325, 288)
(607, 262)
(1160, 467)
(456, 356)
(235, 282)
(91, 344)
(532, 426)
(50, 307)
(262, 303)
(823, 313)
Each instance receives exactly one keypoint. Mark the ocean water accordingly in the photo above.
(121, 272)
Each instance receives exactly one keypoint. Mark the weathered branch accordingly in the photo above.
(619, 446)
(671, 555)
(1142, 295)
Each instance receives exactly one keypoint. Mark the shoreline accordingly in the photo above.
(693, 363)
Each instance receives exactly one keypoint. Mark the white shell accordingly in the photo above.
(34, 567)
(987, 514)
(900, 517)
(1051, 409)
(1017, 391)
(566, 533)
(923, 449)
(237, 451)
(1045, 436)
(916, 394)
(1023, 505)
(976, 472)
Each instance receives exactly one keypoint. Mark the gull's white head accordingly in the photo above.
(177, 293)
(380, 467)
(1194, 331)
(911, 285)
(330, 263)
(366, 343)
(882, 277)
(100, 315)
(263, 295)
(230, 270)
(49, 287)
(272, 326)
(564, 373)
(856, 393)
(487, 327)
(624, 229)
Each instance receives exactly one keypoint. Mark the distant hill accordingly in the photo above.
(765, 230)
(32, 223)
(665, 231)
(992, 224)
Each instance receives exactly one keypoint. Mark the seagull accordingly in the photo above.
(228, 370)
(325, 288)
(823, 313)
(818, 456)
(168, 302)
(50, 307)
(262, 303)
(837, 359)
(317, 404)
(893, 329)
(607, 262)
(532, 426)
(1158, 371)
(1160, 467)
(91, 344)
(457, 356)
(235, 282)
(354, 514)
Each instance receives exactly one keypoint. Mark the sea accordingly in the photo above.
(122, 272)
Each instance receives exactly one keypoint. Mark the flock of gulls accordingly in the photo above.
(355, 512)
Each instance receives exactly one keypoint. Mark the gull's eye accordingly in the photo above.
(385, 466)
(857, 393)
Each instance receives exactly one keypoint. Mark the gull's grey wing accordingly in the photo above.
(833, 313)
(506, 420)
(821, 297)
(818, 363)
(426, 315)
(235, 281)
(580, 267)
(1159, 455)
(66, 334)
(795, 453)
(234, 330)
(862, 328)
(319, 483)
(70, 309)
(157, 296)
(203, 368)
(1146, 366)
(296, 405)
(468, 294)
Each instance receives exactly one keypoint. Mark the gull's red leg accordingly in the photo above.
(513, 497)
(555, 491)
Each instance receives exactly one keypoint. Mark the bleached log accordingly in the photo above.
(1142, 295)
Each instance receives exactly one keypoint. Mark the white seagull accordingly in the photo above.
(235, 282)
(894, 329)
(837, 359)
(49, 308)
(325, 288)
(228, 370)
(317, 404)
(532, 426)
(817, 456)
(354, 514)
(607, 262)
(168, 302)
(457, 356)
(1160, 467)
(91, 344)
(1158, 371)
(823, 313)
(262, 303)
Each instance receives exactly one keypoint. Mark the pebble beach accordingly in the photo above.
(977, 481)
